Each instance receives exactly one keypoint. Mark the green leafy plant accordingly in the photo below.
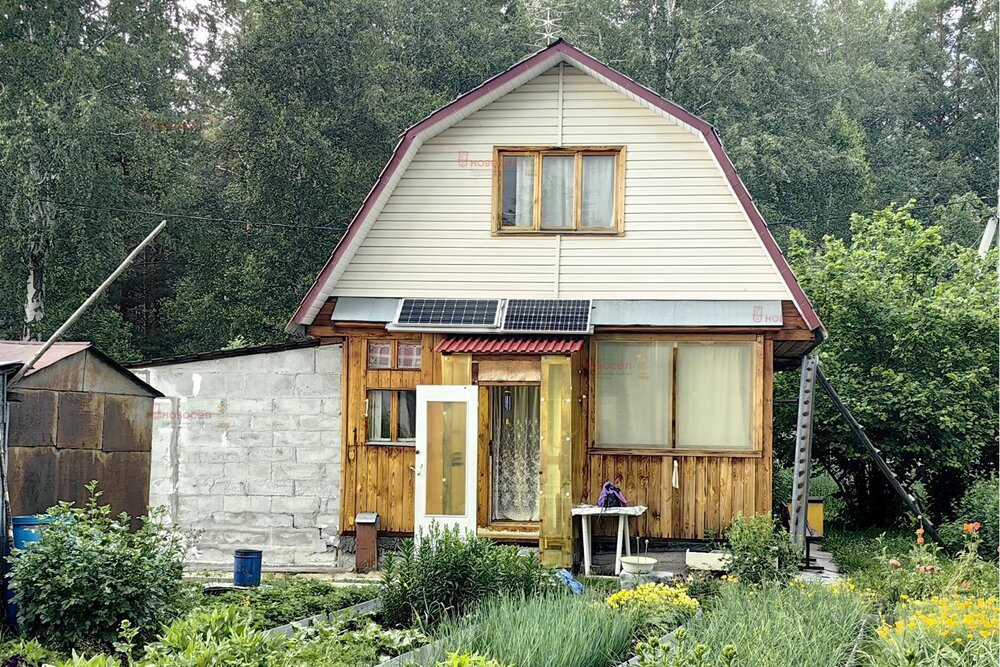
(758, 551)
(656, 608)
(445, 572)
(287, 598)
(77, 660)
(980, 504)
(27, 653)
(90, 571)
(347, 642)
(216, 637)
(544, 630)
(655, 653)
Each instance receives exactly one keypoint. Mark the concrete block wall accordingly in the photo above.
(246, 451)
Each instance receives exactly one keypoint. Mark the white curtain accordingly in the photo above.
(514, 426)
(557, 192)
(379, 414)
(633, 394)
(518, 191)
(598, 204)
(714, 389)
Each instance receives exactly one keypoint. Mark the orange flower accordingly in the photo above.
(920, 531)
(920, 540)
(971, 527)
(895, 563)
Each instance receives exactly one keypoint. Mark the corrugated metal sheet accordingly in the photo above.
(23, 351)
(508, 345)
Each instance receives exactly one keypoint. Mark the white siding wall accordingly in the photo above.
(686, 236)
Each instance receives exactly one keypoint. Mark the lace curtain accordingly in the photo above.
(515, 453)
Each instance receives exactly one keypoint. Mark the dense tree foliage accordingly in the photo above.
(259, 127)
(913, 352)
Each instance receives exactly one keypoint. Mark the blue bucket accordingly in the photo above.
(246, 567)
(27, 529)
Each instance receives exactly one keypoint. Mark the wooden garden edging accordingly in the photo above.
(364, 608)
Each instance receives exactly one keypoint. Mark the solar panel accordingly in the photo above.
(548, 315)
(448, 312)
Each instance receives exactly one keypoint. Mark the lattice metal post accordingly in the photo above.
(803, 450)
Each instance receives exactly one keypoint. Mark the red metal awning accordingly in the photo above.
(509, 345)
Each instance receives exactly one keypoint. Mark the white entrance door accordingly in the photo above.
(447, 443)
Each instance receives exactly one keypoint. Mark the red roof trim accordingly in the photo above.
(508, 345)
(571, 54)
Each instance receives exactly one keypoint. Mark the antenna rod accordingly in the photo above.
(86, 304)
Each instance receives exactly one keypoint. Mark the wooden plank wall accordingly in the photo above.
(713, 488)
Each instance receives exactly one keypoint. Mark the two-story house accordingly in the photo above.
(558, 279)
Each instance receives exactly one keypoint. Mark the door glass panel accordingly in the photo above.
(514, 465)
(446, 462)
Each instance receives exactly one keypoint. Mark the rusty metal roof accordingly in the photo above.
(509, 345)
(22, 351)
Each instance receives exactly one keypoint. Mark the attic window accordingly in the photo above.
(558, 190)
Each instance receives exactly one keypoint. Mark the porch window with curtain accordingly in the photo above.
(559, 190)
(664, 395)
(714, 395)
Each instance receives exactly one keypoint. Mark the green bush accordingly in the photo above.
(468, 660)
(545, 631)
(758, 552)
(980, 504)
(768, 626)
(288, 598)
(445, 572)
(90, 571)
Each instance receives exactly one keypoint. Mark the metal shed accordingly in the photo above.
(77, 416)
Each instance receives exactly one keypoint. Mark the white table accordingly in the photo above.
(623, 513)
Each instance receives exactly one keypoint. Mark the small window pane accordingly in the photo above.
(379, 355)
(518, 196)
(408, 355)
(557, 192)
(406, 427)
(598, 206)
(632, 399)
(714, 390)
(379, 415)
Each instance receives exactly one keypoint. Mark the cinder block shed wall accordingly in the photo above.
(246, 451)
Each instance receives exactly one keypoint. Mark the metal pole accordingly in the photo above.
(86, 304)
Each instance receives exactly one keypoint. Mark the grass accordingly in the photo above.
(552, 630)
(855, 550)
(774, 626)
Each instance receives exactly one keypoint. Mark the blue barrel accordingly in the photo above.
(27, 529)
(246, 567)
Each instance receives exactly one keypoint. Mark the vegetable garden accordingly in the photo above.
(92, 592)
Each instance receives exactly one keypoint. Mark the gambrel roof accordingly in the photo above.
(474, 100)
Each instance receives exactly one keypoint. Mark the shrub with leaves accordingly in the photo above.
(758, 551)
(980, 504)
(468, 660)
(446, 571)
(213, 637)
(90, 571)
(346, 642)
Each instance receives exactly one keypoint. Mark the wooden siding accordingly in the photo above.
(685, 236)
(713, 487)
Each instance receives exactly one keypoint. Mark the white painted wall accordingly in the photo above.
(246, 451)
(686, 235)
